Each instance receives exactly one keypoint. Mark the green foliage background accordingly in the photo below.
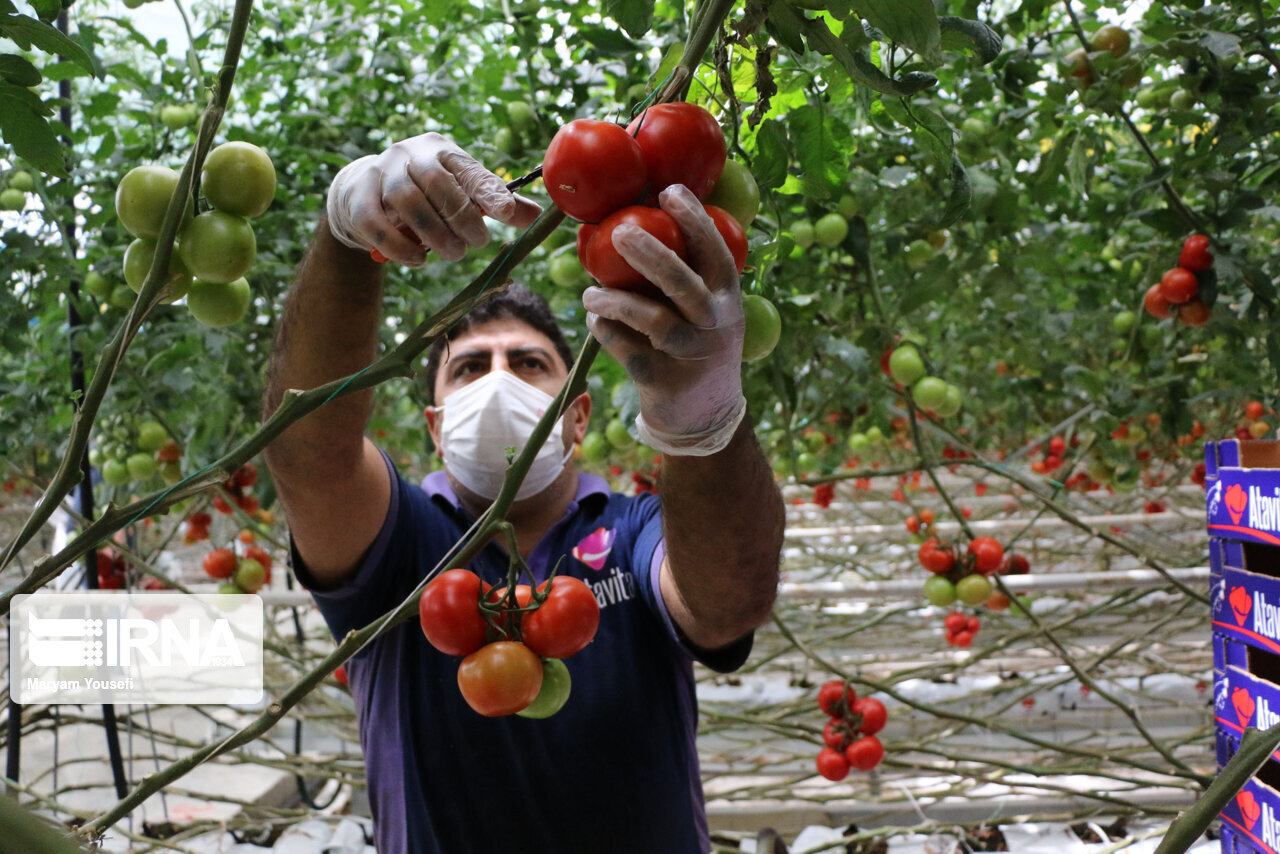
(1062, 206)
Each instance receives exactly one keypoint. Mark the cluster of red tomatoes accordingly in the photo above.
(235, 488)
(511, 642)
(113, 572)
(606, 176)
(247, 573)
(960, 630)
(1179, 287)
(849, 734)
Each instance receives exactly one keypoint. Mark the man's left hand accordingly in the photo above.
(685, 355)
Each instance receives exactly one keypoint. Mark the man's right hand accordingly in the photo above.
(425, 183)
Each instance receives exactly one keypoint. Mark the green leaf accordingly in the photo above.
(47, 9)
(1053, 164)
(670, 60)
(18, 71)
(770, 165)
(913, 23)
(635, 16)
(961, 198)
(608, 42)
(860, 68)
(814, 137)
(28, 31)
(23, 126)
(784, 24)
(964, 34)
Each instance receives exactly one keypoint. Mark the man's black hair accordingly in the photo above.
(517, 302)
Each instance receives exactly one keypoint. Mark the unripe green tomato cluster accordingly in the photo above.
(136, 454)
(907, 368)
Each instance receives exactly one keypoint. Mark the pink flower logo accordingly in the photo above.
(595, 547)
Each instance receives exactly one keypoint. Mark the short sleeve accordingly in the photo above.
(413, 531)
(647, 552)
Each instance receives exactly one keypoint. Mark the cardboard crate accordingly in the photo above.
(1252, 818)
(1242, 491)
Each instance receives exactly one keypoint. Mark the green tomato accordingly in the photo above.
(142, 466)
(506, 141)
(12, 200)
(115, 472)
(919, 253)
(737, 192)
(803, 234)
(617, 434)
(951, 404)
(521, 115)
(595, 447)
(973, 589)
(554, 692)
(929, 393)
(847, 206)
(238, 178)
(1112, 38)
(152, 436)
(937, 238)
(874, 435)
(1182, 100)
(815, 441)
(973, 127)
(566, 270)
(763, 327)
(174, 117)
(906, 365)
(858, 442)
(216, 304)
(122, 296)
(97, 285)
(171, 472)
(142, 197)
(1152, 335)
(807, 463)
(831, 229)
(22, 181)
(138, 259)
(250, 575)
(939, 591)
(219, 247)
(1123, 322)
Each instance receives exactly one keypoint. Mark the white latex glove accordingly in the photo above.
(685, 358)
(429, 185)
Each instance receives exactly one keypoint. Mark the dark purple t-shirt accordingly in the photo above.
(614, 771)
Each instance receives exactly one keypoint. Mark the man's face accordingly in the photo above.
(507, 344)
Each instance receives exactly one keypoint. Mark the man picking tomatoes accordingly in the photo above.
(682, 577)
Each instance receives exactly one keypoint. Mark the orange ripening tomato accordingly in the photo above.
(500, 678)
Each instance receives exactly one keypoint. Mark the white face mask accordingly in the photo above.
(485, 418)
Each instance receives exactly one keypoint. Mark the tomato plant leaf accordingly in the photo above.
(858, 67)
(961, 197)
(23, 125)
(608, 42)
(635, 16)
(28, 31)
(18, 71)
(813, 137)
(784, 24)
(964, 34)
(47, 10)
(770, 164)
(913, 23)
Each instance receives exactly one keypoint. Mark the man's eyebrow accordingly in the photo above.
(516, 352)
(474, 353)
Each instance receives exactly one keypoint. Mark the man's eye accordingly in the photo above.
(534, 364)
(465, 368)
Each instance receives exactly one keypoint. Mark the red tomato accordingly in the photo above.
(449, 610)
(987, 553)
(681, 144)
(246, 476)
(1016, 565)
(865, 753)
(259, 554)
(935, 559)
(913, 524)
(247, 503)
(731, 230)
(340, 674)
(833, 694)
(1178, 285)
(585, 231)
(926, 516)
(1253, 411)
(1155, 302)
(1194, 312)
(972, 625)
(1057, 446)
(832, 764)
(565, 622)
(593, 168)
(220, 563)
(835, 734)
(874, 715)
(500, 678)
(954, 621)
(220, 504)
(962, 638)
(609, 268)
(1195, 255)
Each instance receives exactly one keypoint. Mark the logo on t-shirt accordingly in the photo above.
(595, 547)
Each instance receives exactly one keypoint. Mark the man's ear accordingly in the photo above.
(433, 427)
(581, 408)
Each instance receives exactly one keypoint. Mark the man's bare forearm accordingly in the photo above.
(328, 329)
(723, 518)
